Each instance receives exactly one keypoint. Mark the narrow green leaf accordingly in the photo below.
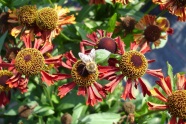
(102, 55)
(44, 110)
(2, 39)
(78, 112)
(101, 118)
(111, 23)
(84, 13)
(170, 73)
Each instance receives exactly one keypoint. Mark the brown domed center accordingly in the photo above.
(177, 104)
(181, 3)
(136, 60)
(27, 58)
(108, 44)
(152, 33)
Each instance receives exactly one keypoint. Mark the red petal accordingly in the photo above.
(158, 95)
(121, 45)
(5, 98)
(127, 89)
(64, 89)
(100, 89)
(154, 106)
(81, 91)
(156, 73)
(144, 88)
(145, 48)
(27, 41)
(62, 76)
(112, 85)
(13, 82)
(181, 81)
(165, 84)
(172, 120)
(85, 42)
(38, 43)
(70, 57)
(46, 47)
(48, 78)
(54, 60)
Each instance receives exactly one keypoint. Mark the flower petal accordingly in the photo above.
(181, 81)
(154, 106)
(81, 91)
(48, 78)
(144, 88)
(64, 89)
(112, 85)
(155, 72)
(172, 120)
(155, 92)
(165, 84)
(127, 89)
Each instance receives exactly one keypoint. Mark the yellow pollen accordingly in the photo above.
(47, 18)
(81, 80)
(177, 104)
(27, 15)
(133, 64)
(29, 61)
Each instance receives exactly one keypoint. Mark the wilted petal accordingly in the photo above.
(127, 89)
(16, 31)
(181, 81)
(144, 88)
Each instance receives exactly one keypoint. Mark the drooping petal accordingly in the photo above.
(100, 89)
(144, 88)
(172, 120)
(85, 42)
(155, 92)
(145, 48)
(54, 60)
(121, 45)
(5, 98)
(81, 91)
(62, 76)
(27, 40)
(181, 81)
(154, 106)
(70, 56)
(13, 82)
(93, 98)
(155, 72)
(38, 43)
(127, 89)
(64, 89)
(48, 78)
(165, 85)
(112, 85)
(46, 47)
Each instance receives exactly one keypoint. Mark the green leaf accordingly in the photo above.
(102, 55)
(101, 118)
(111, 23)
(44, 110)
(11, 112)
(78, 112)
(84, 13)
(170, 73)
(2, 39)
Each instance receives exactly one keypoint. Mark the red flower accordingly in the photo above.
(32, 60)
(154, 30)
(175, 7)
(174, 100)
(102, 40)
(84, 74)
(133, 65)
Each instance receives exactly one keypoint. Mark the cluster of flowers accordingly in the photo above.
(37, 28)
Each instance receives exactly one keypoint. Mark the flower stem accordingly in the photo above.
(67, 38)
(51, 3)
(162, 13)
(148, 113)
(48, 95)
(151, 8)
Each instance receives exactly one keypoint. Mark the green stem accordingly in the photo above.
(151, 8)
(67, 38)
(162, 13)
(148, 113)
(51, 3)
(48, 95)
(3, 2)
